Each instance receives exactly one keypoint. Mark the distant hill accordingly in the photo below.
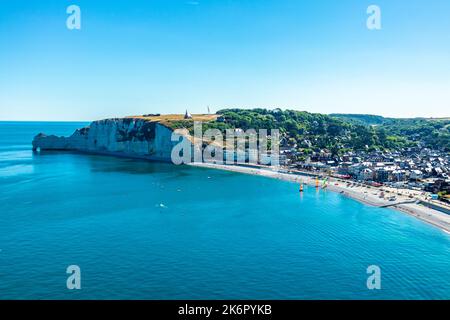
(367, 119)
(370, 119)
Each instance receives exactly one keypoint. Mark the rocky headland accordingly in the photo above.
(142, 137)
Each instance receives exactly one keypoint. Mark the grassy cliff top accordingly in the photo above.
(177, 121)
(173, 120)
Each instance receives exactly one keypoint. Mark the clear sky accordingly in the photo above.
(166, 56)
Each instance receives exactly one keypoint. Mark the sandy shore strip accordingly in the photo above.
(407, 203)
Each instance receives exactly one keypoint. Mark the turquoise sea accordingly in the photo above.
(142, 230)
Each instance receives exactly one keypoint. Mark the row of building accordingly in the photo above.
(417, 168)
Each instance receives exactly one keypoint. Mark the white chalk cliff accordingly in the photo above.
(127, 136)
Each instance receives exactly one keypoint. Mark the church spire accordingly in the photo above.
(187, 115)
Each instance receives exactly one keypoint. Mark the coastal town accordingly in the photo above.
(419, 169)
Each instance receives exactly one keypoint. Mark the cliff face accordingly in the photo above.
(127, 136)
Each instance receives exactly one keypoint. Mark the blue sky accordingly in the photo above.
(165, 56)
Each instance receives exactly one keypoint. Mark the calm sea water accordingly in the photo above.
(156, 231)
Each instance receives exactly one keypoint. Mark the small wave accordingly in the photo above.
(15, 170)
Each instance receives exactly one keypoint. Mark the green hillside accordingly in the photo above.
(313, 131)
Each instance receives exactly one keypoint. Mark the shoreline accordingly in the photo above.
(366, 195)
